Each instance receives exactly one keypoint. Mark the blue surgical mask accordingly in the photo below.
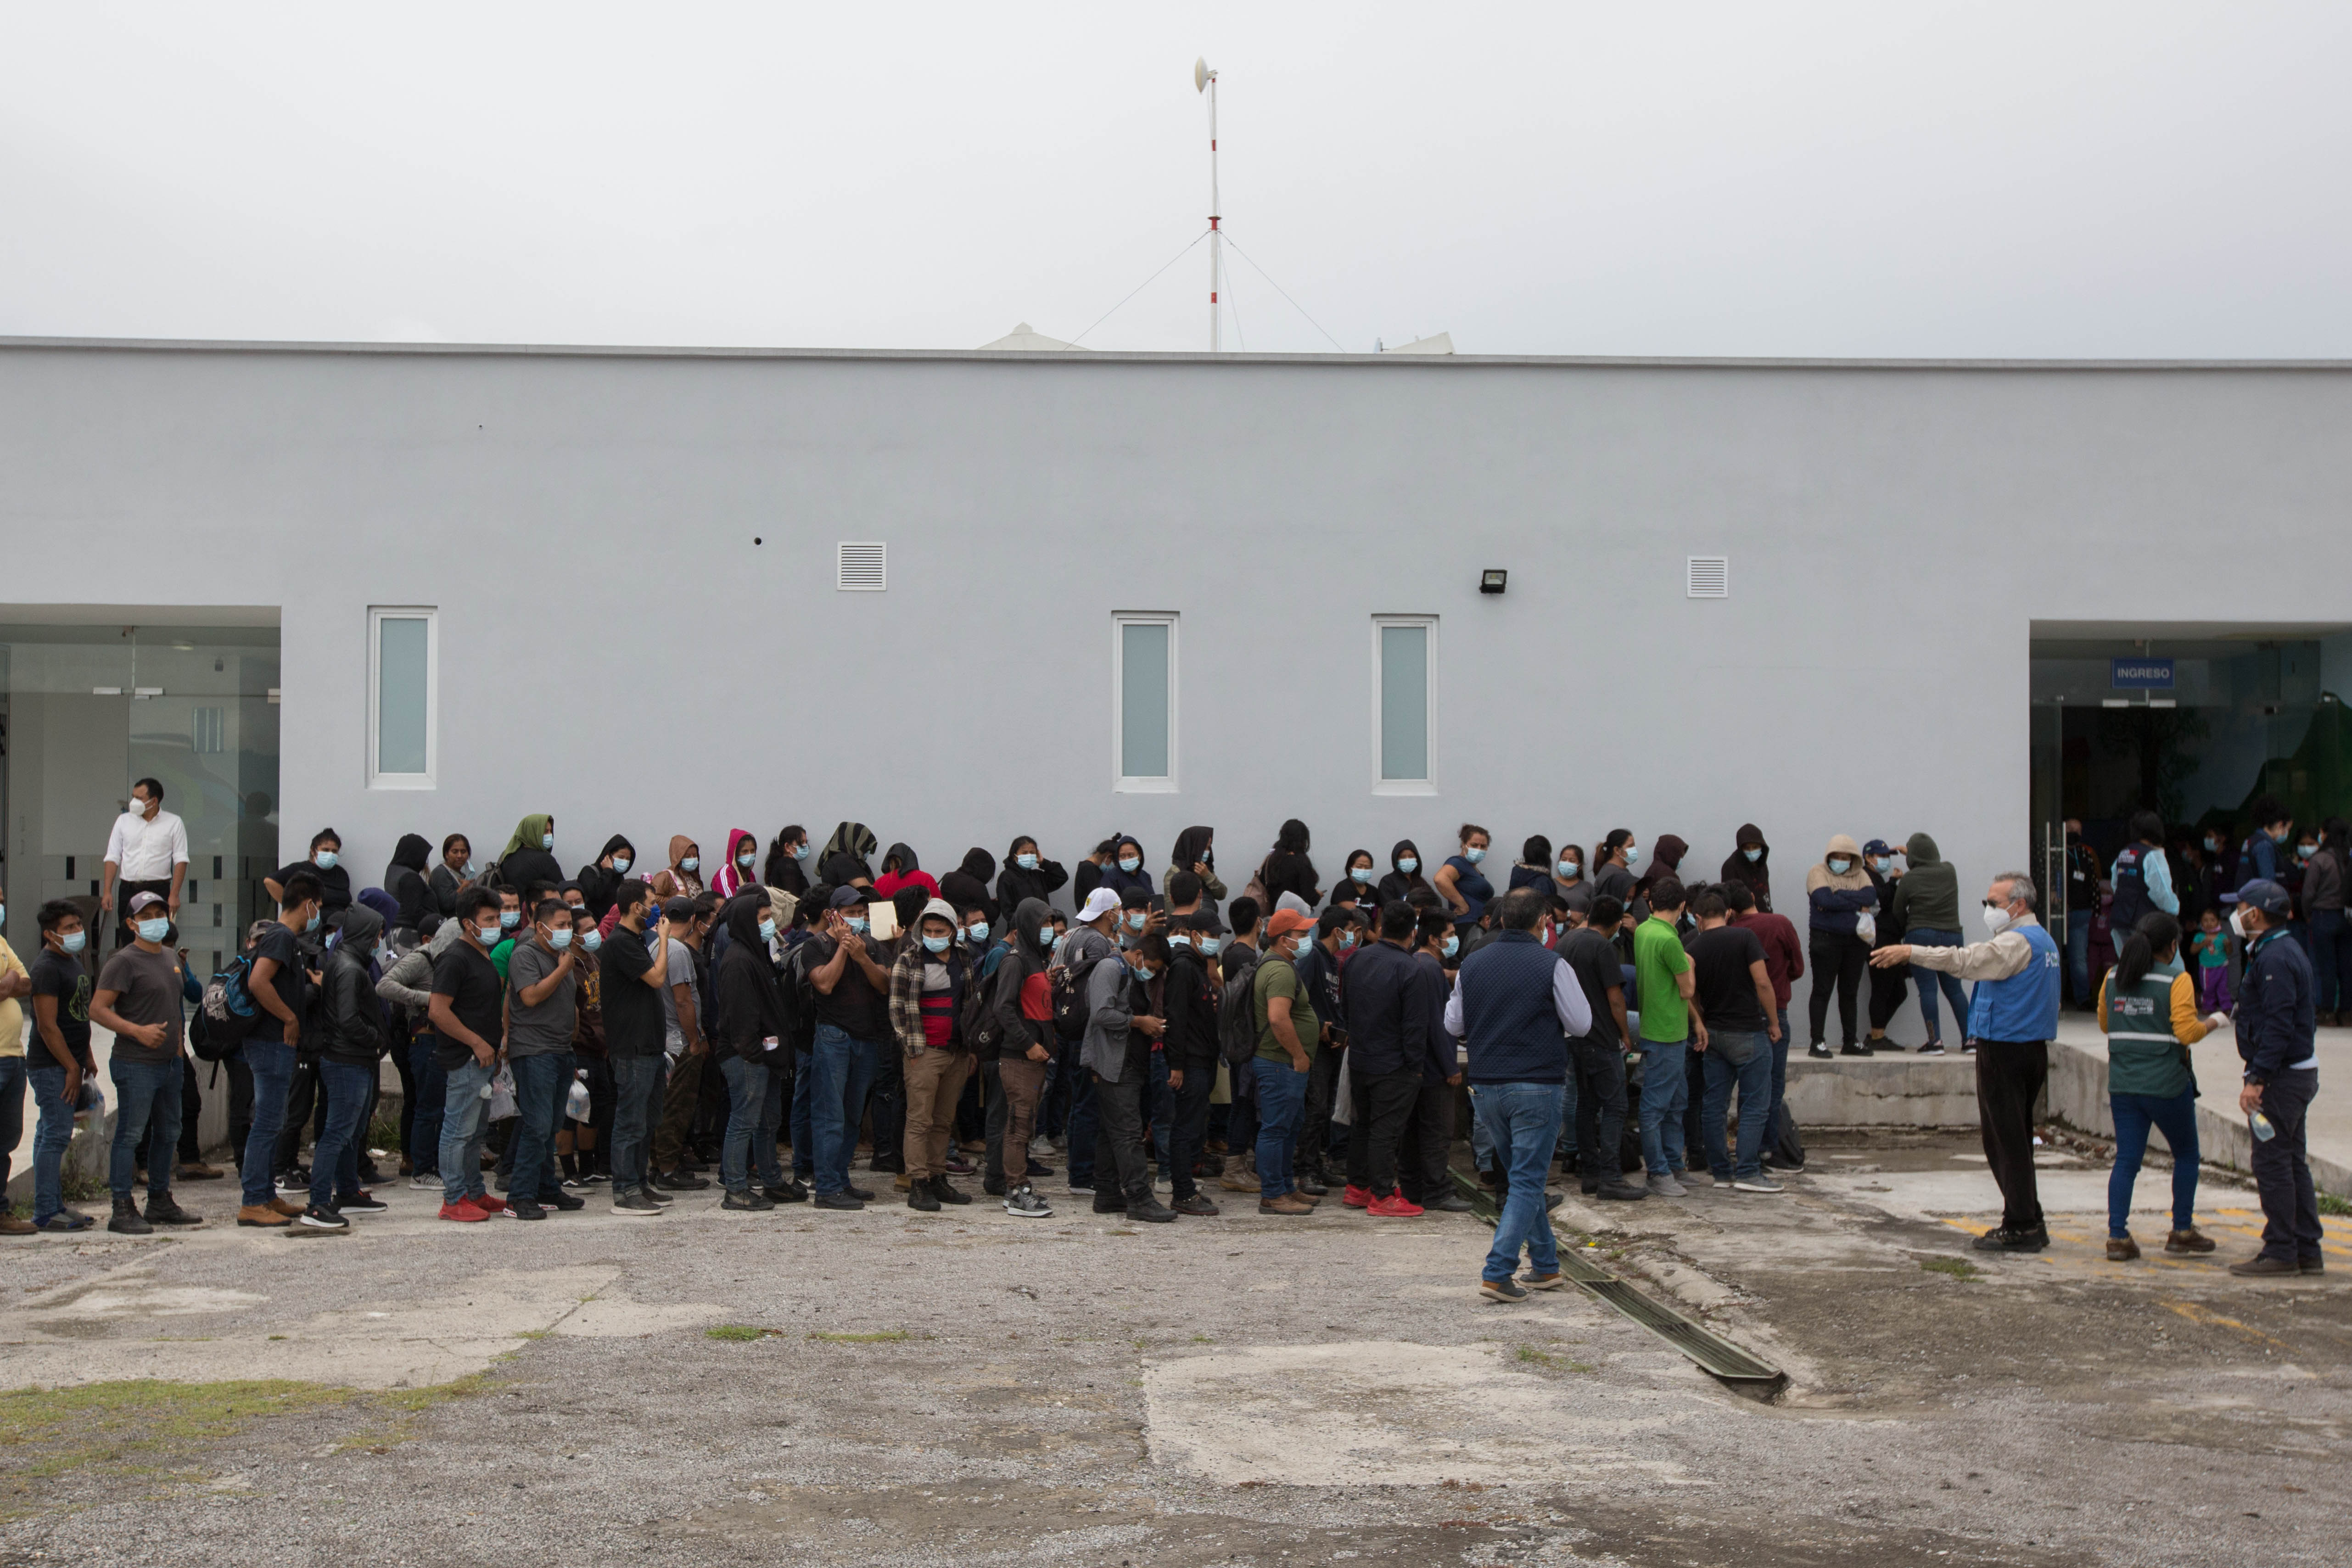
(487, 935)
(858, 925)
(745, 860)
(1408, 865)
(1567, 869)
(2303, 851)
(1346, 940)
(1027, 862)
(1753, 854)
(559, 938)
(312, 926)
(1134, 919)
(510, 918)
(1633, 855)
(620, 865)
(1473, 856)
(1209, 946)
(1361, 875)
(803, 850)
(75, 942)
(977, 932)
(546, 841)
(1045, 936)
(154, 931)
(1129, 862)
(1840, 866)
(1140, 971)
(936, 944)
(1178, 939)
(1883, 865)
(767, 931)
(592, 939)
(1453, 945)
(324, 859)
(691, 863)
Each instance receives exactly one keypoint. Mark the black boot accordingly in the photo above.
(946, 1194)
(920, 1196)
(126, 1220)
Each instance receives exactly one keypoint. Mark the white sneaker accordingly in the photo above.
(1757, 1183)
(1024, 1202)
(428, 1183)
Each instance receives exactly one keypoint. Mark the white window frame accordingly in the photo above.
(431, 615)
(1405, 786)
(1121, 782)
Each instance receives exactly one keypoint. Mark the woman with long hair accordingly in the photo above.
(2147, 1009)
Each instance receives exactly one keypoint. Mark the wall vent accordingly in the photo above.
(863, 568)
(1706, 576)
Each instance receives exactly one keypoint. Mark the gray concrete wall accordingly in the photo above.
(618, 651)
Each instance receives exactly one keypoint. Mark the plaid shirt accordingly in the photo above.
(907, 991)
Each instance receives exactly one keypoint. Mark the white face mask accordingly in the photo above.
(2238, 923)
(1998, 919)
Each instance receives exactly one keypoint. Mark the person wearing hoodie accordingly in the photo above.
(1888, 988)
(1126, 870)
(1196, 852)
(741, 871)
(1404, 878)
(1028, 875)
(1665, 860)
(788, 857)
(1840, 893)
(966, 887)
(528, 857)
(845, 861)
(928, 983)
(350, 1044)
(405, 879)
(754, 1040)
(600, 879)
(1120, 1029)
(1750, 865)
(901, 870)
(1023, 1002)
(1287, 869)
(1191, 1049)
(682, 878)
(1927, 911)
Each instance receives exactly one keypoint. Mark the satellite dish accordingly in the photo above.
(1200, 74)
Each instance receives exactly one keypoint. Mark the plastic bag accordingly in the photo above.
(1866, 926)
(1343, 1097)
(575, 1104)
(502, 1099)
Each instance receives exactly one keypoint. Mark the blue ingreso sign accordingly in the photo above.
(2140, 674)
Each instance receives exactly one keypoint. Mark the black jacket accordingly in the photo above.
(599, 883)
(1387, 1025)
(1013, 884)
(1189, 1005)
(967, 885)
(405, 879)
(750, 1004)
(350, 1018)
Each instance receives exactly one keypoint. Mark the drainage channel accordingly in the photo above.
(1710, 1351)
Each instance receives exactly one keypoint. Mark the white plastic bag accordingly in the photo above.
(575, 1104)
(503, 1099)
(1343, 1099)
(1866, 926)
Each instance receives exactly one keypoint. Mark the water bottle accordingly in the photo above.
(2259, 1126)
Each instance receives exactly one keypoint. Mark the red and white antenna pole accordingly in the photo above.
(1205, 80)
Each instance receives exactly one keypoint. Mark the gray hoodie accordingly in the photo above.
(1927, 895)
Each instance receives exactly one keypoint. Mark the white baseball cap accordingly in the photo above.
(1100, 902)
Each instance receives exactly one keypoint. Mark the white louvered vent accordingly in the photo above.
(864, 568)
(1706, 576)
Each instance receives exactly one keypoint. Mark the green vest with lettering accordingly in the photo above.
(2143, 1056)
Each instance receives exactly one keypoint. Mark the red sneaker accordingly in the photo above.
(1393, 1206)
(1357, 1197)
(462, 1212)
(488, 1205)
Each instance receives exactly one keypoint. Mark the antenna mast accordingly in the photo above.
(1205, 80)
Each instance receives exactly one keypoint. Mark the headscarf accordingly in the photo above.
(1193, 844)
(412, 852)
(530, 833)
(387, 907)
(1856, 878)
(844, 857)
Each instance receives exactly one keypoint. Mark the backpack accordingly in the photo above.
(1237, 1012)
(983, 1027)
(230, 1012)
(1069, 993)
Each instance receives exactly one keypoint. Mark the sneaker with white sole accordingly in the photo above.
(1024, 1201)
(1668, 1187)
(1757, 1183)
(427, 1182)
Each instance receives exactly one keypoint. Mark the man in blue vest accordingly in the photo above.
(1517, 1003)
(2277, 1039)
(2142, 877)
(2011, 1016)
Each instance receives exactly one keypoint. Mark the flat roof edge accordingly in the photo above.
(1132, 356)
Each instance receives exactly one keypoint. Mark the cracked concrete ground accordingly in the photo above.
(969, 1388)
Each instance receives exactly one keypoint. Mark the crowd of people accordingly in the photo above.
(640, 1026)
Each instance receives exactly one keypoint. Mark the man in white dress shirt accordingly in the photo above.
(146, 853)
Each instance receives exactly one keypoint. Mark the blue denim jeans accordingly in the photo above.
(2331, 956)
(50, 1139)
(432, 1092)
(464, 1114)
(639, 1086)
(1522, 1120)
(1281, 1111)
(1744, 1059)
(11, 1118)
(1930, 981)
(1665, 1095)
(803, 1151)
(146, 1113)
(1079, 1128)
(2177, 1119)
(845, 1069)
(272, 1063)
(542, 1085)
(1160, 1112)
(335, 1158)
(748, 1084)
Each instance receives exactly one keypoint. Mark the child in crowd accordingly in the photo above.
(2211, 946)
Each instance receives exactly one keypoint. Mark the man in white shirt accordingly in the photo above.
(146, 853)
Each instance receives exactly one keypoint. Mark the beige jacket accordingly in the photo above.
(2003, 956)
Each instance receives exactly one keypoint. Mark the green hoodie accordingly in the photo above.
(1927, 897)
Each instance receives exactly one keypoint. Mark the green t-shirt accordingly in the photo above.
(1658, 957)
(500, 953)
(1280, 977)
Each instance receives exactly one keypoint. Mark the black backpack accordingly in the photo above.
(1069, 992)
(983, 1026)
(1237, 1008)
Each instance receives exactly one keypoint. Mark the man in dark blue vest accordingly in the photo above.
(1516, 1003)
(2277, 1039)
(2011, 1016)
(2142, 877)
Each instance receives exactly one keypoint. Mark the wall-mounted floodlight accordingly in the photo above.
(1493, 580)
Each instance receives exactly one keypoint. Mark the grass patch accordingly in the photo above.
(1958, 1268)
(738, 1331)
(2330, 1204)
(881, 1336)
(383, 1133)
(1536, 1355)
(133, 1427)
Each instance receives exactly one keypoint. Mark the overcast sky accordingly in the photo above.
(2137, 179)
